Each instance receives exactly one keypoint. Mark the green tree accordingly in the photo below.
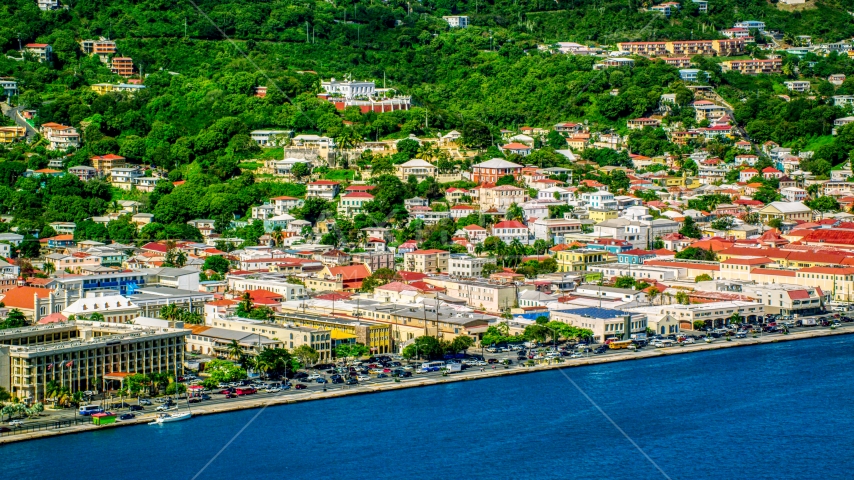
(223, 371)
(351, 350)
(425, 346)
(306, 355)
(704, 277)
(696, 253)
(15, 319)
(217, 263)
(690, 229)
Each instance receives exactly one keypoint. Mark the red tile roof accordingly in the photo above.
(509, 224)
(352, 272)
(22, 297)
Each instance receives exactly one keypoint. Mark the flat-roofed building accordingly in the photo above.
(85, 355)
(376, 336)
(291, 336)
(605, 323)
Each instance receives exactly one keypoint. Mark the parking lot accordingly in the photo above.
(565, 353)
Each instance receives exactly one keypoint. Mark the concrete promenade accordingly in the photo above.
(336, 391)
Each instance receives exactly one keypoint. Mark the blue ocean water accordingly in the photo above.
(776, 411)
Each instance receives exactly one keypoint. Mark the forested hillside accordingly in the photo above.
(203, 59)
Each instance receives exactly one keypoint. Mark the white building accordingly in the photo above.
(599, 200)
(793, 194)
(457, 21)
(325, 189)
(467, 266)
(271, 138)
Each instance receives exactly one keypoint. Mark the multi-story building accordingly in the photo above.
(48, 5)
(374, 260)
(273, 283)
(467, 266)
(457, 21)
(645, 49)
(491, 170)
(78, 354)
(555, 229)
(353, 203)
(374, 335)
(500, 197)
(605, 323)
(729, 47)
(105, 163)
(737, 33)
(12, 134)
(581, 259)
(101, 47)
(42, 51)
(600, 199)
(420, 169)
(510, 230)
(125, 178)
(8, 87)
(122, 66)
(753, 66)
(291, 335)
(61, 137)
(426, 261)
(83, 172)
(798, 86)
(325, 189)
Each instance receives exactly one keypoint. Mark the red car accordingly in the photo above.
(230, 395)
(300, 386)
(226, 391)
(245, 391)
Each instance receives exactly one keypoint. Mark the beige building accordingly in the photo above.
(785, 211)
(376, 336)
(291, 336)
(605, 323)
(84, 356)
(501, 197)
(426, 261)
(484, 296)
(420, 169)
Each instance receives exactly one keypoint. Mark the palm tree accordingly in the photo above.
(517, 250)
(171, 312)
(235, 351)
(277, 235)
(49, 268)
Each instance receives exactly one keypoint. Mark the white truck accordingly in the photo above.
(453, 367)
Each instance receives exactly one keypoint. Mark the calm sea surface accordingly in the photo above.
(776, 411)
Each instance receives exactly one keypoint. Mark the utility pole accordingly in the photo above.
(185, 27)
(307, 36)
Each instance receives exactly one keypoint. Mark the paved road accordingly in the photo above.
(50, 416)
(12, 112)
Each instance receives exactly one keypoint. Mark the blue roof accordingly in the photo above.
(595, 312)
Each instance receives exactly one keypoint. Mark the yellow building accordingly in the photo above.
(374, 335)
(574, 260)
(785, 211)
(672, 181)
(602, 215)
(12, 134)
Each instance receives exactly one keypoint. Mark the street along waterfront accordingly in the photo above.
(771, 400)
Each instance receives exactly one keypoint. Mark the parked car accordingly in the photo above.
(363, 378)
(352, 381)
(136, 408)
(145, 401)
(5, 429)
(127, 416)
(164, 407)
(16, 423)
(321, 380)
(338, 380)
(300, 386)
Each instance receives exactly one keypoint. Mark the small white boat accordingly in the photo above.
(171, 417)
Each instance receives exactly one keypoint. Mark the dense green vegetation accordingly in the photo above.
(194, 117)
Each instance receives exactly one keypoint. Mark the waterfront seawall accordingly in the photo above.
(470, 374)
